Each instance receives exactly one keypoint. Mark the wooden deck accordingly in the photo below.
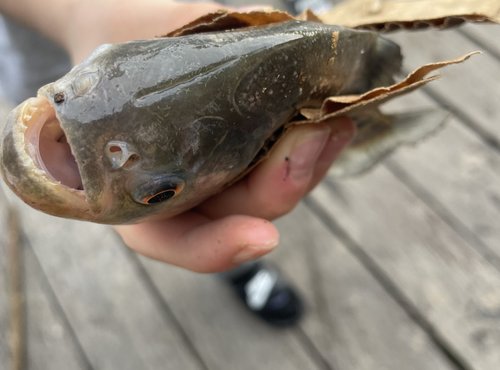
(400, 268)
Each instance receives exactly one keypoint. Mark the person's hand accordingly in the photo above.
(233, 226)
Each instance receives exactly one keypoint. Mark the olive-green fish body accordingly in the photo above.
(157, 126)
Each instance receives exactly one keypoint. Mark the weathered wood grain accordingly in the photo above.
(347, 314)
(115, 320)
(4, 288)
(485, 36)
(470, 89)
(461, 173)
(226, 336)
(458, 169)
(48, 342)
(4, 307)
(351, 319)
(452, 287)
(17, 316)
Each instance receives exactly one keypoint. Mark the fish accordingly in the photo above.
(148, 129)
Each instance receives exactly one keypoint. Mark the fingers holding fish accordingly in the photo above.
(195, 242)
(296, 166)
(219, 235)
(342, 133)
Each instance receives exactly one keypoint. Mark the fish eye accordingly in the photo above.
(161, 196)
(158, 190)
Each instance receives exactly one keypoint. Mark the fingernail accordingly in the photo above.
(252, 252)
(340, 137)
(306, 152)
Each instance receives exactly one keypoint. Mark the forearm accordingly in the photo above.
(80, 26)
(49, 17)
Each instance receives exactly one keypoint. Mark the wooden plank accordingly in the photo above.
(437, 274)
(346, 322)
(114, 318)
(486, 36)
(460, 172)
(17, 317)
(469, 88)
(351, 318)
(47, 342)
(5, 356)
(4, 290)
(225, 334)
(50, 345)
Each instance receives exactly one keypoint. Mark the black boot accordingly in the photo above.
(265, 292)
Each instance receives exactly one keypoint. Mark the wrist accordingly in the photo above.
(50, 17)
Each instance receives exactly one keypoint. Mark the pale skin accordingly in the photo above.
(233, 226)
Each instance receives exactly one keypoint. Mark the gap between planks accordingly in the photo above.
(478, 39)
(308, 345)
(165, 308)
(445, 214)
(391, 288)
(17, 317)
(449, 102)
(18, 240)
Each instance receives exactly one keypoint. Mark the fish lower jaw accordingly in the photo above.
(24, 168)
(45, 142)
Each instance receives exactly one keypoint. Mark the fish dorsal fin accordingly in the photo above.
(379, 15)
(224, 20)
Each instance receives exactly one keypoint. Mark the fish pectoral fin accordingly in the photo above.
(380, 134)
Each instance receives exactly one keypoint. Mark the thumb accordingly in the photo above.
(296, 164)
(196, 243)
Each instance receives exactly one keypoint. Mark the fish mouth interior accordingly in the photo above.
(47, 145)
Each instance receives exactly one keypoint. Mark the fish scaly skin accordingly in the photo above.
(172, 121)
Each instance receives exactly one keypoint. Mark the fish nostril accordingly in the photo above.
(59, 98)
(115, 149)
(121, 154)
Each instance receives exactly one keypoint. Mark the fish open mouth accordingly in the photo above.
(47, 145)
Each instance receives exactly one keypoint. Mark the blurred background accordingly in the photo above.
(399, 268)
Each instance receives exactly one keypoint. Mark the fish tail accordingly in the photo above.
(386, 62)
(380, 134)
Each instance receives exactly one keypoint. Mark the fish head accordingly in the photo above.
(77, 151)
